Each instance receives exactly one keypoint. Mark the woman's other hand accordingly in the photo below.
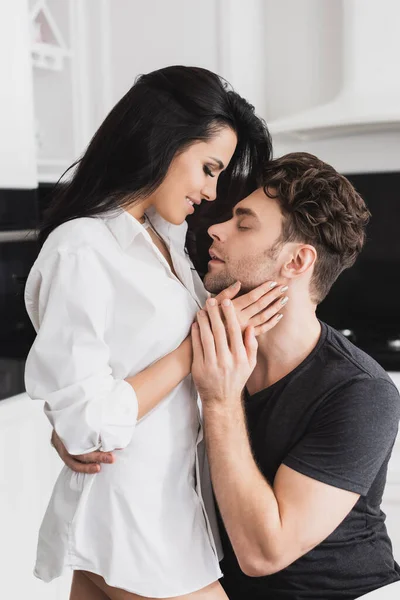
(260, 308)
(81, 463)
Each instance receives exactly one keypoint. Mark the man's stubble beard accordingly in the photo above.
(250, 274)
(216, 282)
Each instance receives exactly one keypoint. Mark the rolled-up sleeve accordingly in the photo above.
(68, 366)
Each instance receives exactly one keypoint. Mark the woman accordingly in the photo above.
(112, 297)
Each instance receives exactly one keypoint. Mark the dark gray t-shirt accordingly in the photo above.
(335, 419)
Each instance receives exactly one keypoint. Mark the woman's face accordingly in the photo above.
(193, 175)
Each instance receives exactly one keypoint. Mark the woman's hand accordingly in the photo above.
(82, 463)
(223, 359)
(259, 308)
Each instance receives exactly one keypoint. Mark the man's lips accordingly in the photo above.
(214, 256)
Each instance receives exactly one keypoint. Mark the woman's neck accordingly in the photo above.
(137, 210)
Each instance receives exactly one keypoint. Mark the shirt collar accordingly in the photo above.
(174, 235)
(125, 228)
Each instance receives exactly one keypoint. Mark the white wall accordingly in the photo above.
(126, 38)
(149, 35)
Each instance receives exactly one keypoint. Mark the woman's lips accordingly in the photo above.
(189, 204)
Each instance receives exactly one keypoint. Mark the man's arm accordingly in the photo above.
(272, 526)
(269, 527)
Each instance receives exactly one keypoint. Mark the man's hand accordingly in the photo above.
(222, 359)
(259, 308)
(82, 463)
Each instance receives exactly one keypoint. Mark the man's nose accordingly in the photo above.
(215, 232)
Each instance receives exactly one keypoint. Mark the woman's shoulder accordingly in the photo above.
(74, 252)
(77, 234)
(84, 239)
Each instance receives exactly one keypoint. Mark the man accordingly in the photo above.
(298, 461)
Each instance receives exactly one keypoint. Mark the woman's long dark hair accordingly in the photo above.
(162, 114)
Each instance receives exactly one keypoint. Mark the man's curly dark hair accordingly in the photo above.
(320, 207)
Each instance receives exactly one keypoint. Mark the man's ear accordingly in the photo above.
(301, 259)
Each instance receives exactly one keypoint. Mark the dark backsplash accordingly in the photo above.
(18, 250)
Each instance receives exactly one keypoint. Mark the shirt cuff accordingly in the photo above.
(119, 416)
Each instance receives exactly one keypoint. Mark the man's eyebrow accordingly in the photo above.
(245, 212)
(219, 162)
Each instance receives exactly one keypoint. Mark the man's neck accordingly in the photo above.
(285, 347)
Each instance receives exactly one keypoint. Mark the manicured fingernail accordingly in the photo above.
(226, 302)
(284, 289)
(235, 285)
(211, 302)
(284, 300)
(272, 285)
(279, 317)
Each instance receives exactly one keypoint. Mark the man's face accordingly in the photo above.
(245, 244)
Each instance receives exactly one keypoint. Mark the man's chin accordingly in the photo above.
(215, 285)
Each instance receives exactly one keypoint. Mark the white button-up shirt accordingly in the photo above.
(106, 305)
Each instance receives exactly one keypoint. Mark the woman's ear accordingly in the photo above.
(302, 259)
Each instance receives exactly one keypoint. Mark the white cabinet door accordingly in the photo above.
(17, 139)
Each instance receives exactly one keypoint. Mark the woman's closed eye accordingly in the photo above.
(208, 171)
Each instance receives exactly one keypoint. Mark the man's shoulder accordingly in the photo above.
(337, 368)
(340, 369)
(342, 356)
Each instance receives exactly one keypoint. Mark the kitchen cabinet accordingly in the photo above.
(58, 54)
(17, 148)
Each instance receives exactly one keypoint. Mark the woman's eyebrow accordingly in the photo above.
(219, 162)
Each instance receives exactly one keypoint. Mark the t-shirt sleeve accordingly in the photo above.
(350, 436)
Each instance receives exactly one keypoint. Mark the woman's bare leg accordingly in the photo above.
(214, 591)
(84, 589)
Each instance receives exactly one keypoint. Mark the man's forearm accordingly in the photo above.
(155, 382)
(246, 501)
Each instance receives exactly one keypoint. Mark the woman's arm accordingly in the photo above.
(151, 385)
(155, 382)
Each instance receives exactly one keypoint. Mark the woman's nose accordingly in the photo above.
(209, 192)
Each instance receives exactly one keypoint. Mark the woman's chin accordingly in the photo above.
(178, 219)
